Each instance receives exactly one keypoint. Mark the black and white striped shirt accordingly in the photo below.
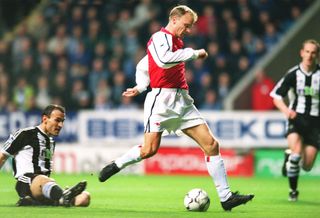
(32, 151)
(302, 89)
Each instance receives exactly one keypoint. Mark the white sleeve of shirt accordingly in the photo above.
(161, 51)
(142, 74)
(273, 92)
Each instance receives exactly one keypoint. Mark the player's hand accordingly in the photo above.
(202, 54)
(131, 92)
(291, 114)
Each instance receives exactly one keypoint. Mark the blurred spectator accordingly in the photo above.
(102, 96)
(211, 101)
(75, 39)
(97, 74)
(60, 89)
(224, 85)
(33, 106)
(94, 35)
(81, 55)
(242, 67)
(119, 85)
(206, 19)
(235, 53)
(199, 69)
(76, 19)
(124, 22)
(80, 97)
(102, 102)
(3, 102)
(4, 82)
(22, 48)
(22, 94)
(193, 86)
(61, 40)
(262, 86)
(5, 54)
(206, 83)
(28, 70)
(41, 51)
(78, 72)
(271, 36)
(42, 97)
(127, 103)
(38, 28)
(46, 67)
(58, 44)
(143, 12)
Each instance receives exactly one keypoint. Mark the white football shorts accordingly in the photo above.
(170, 110)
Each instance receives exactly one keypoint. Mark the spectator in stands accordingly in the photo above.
(38, 29)
(102, 96)
(78, 72)
(144, 12)
(94, 35)
(260, 50)
(127, 103)
(224, 85)
(4, 81)
(46, 67)
(97, 74)
(102, 102)
(235, 52)
(60, 89)
(5, 59)
(206, 19)
(260, 90)
(3, 102)
(76, 18)
(75, 39)
(28, 70)
(21, 48)
(58, 29)
(58, 44)
(42, 96)
(101, 51)
(80, 97)
(211, 101)
(22, 93)
(119, 85)
(41, 51)
(271, 36)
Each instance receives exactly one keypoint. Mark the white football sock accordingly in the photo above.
(46, 189)
(130, 157)
(217, 171)
(292, 165)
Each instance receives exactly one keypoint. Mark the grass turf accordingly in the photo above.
(162, 196)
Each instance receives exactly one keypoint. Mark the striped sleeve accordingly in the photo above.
(14, 143)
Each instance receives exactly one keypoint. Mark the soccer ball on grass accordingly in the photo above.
(197, 200)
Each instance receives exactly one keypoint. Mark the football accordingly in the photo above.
(197, 200)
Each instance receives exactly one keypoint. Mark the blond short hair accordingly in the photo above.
(311, 41)
(181, 10)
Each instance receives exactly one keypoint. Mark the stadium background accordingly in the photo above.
(82, 54)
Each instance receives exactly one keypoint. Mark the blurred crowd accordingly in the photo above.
(83, 54)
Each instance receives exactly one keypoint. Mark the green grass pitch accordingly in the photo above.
(162, 196)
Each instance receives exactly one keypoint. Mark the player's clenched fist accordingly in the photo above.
(202, 53)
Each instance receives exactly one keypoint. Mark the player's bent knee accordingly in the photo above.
(82, 200)
(36, 186)
(212, 148)
(148, 153)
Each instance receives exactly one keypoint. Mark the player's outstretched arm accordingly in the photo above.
(131, 92)
(3, 159)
